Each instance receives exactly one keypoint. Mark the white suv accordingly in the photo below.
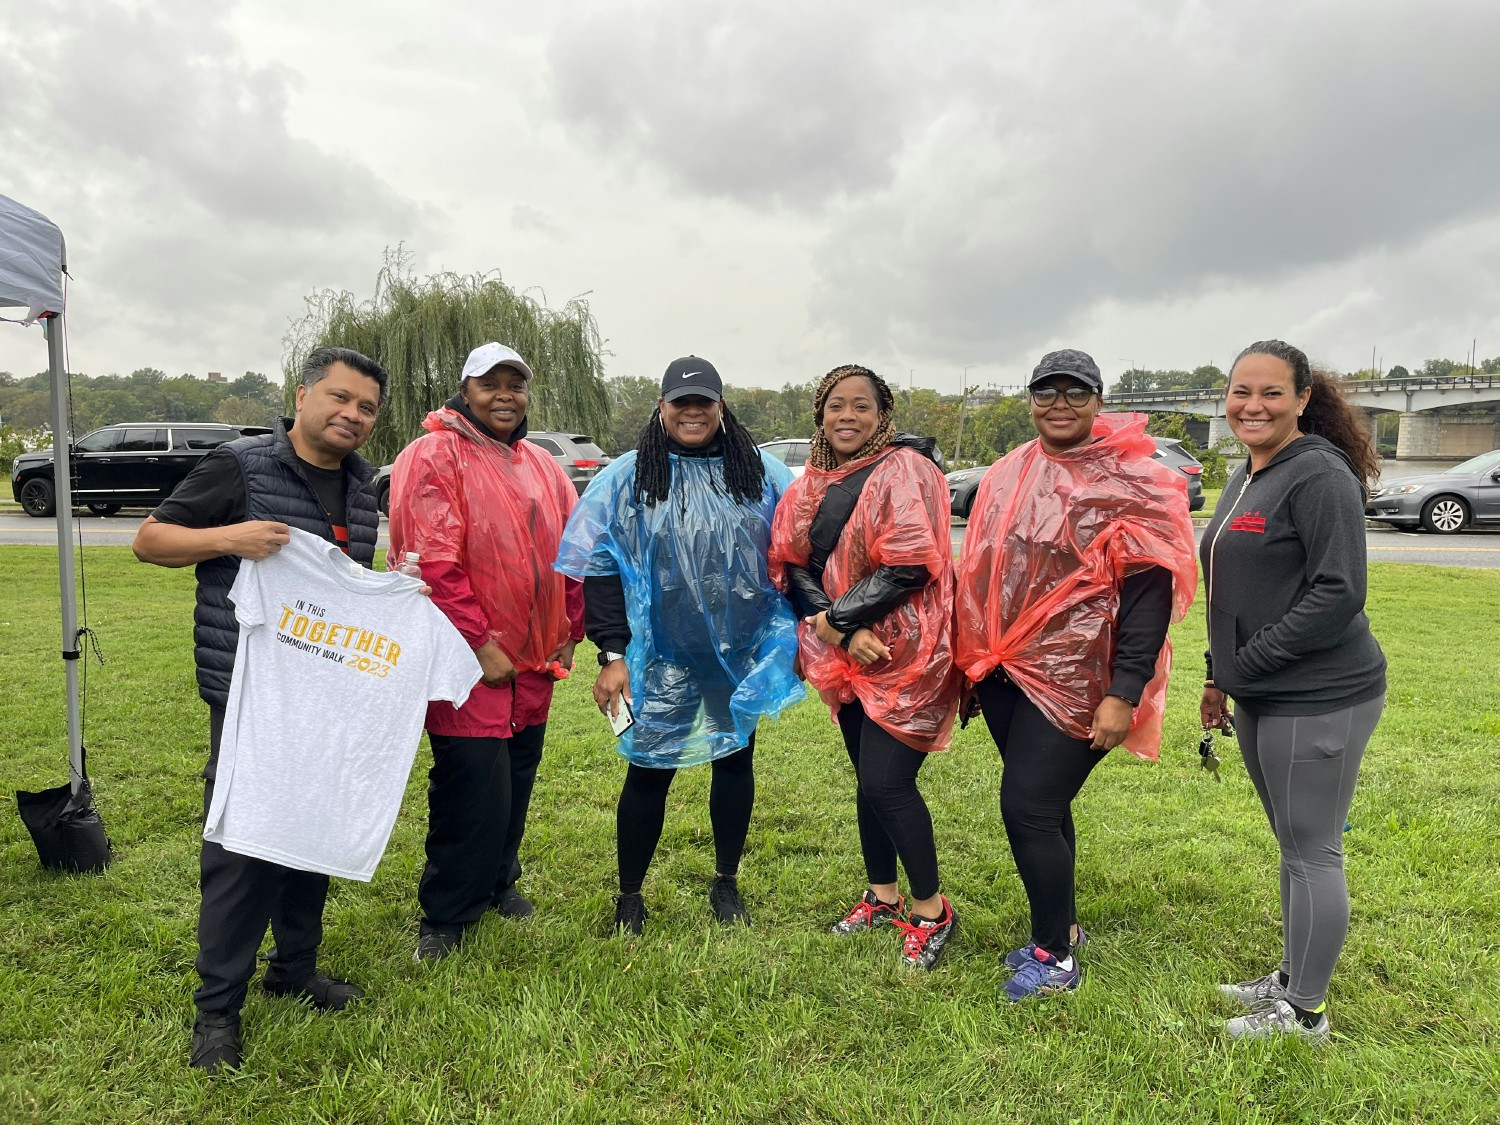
(790, 451)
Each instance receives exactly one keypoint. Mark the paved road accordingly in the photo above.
(116, 531)
(1478, 549)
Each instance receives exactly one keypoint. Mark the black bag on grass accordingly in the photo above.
(66, 828)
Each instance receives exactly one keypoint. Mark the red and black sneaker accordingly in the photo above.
(869, 913)
(927, 937)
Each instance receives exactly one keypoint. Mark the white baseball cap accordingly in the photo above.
(488, 356)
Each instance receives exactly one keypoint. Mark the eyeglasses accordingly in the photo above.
(1076, 396)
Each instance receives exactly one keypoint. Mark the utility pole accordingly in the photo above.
(963, 394)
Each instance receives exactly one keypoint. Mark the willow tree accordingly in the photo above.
(420, 329)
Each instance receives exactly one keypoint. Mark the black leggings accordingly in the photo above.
(643, 810)
(1044, 770)
(893, 817)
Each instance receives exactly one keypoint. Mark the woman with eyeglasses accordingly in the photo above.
(1078, 554)
(1289, 642)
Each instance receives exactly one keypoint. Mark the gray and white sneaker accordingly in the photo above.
(1252, 993)
(1276, 1017)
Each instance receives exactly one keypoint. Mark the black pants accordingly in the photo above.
(240, 897)
(643, 810)
(1044, 770)
(478, 794)
(893, 817)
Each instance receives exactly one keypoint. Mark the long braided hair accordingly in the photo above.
(821, 455)
(1328, 413)
(744, 471)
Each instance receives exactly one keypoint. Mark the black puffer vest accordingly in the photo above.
(275, 489)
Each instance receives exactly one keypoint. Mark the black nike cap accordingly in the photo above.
(691, 376)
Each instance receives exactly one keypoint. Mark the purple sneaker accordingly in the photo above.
(1040, 976)
(1018, 957)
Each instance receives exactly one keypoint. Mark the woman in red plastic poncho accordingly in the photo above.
(485, 509)
(861, 546)
(1079, 552)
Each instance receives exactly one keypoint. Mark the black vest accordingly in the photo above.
(275, 489)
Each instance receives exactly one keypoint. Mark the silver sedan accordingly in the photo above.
(1468, 493)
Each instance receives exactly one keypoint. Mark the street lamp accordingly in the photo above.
(963, 394)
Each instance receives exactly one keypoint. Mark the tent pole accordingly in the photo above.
(62, 481)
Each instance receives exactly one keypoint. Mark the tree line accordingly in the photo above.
(145, 395)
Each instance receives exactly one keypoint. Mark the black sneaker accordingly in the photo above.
(724, 897)
(513, 904)
(869, 913)
(926, 938)
(216, 1043)
(324, 993)
(631, 913)
(434, 944)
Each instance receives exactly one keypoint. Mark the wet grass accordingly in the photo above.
(557, 1020)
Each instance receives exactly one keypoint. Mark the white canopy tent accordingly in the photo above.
(33, 263)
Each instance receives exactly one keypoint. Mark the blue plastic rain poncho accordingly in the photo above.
(712, 641)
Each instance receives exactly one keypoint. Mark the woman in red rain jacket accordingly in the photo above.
(485, 510)
(1079, 552)
(861, 546)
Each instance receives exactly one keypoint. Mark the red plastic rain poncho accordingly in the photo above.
(901, 519)
(1049, 541)
(486, 518)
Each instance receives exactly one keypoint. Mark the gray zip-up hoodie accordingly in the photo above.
(1284, 566)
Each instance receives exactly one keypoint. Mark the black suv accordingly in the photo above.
(135, 464)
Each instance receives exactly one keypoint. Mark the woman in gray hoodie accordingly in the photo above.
(1284, 566)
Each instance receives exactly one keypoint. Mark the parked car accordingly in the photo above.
(576, 454)
(962, 486)
(1443, 502)
(964, 483)
(1170, 452)
(792, 452)
(129, 464)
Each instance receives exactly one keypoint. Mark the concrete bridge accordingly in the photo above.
(1441, 419)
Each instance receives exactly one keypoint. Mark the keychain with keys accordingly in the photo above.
(1207, 759)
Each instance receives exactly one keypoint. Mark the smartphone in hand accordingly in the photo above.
(623, 718)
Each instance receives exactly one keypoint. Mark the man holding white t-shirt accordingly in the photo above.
(240, 503)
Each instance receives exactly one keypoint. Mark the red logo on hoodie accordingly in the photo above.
(1249, 521)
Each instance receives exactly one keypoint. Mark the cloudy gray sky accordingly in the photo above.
(780, 187)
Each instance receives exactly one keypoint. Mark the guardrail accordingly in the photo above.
(1477, 381)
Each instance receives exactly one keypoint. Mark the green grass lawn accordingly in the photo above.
(557, 1020)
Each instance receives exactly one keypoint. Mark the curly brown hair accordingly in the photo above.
(1328, 413)
(821, 455)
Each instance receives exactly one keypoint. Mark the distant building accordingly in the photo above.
(216, 377)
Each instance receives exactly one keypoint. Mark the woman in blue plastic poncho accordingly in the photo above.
(670, 541)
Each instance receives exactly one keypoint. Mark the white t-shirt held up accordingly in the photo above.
(332, 676)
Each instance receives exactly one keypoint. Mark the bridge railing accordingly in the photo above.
(1477, 381)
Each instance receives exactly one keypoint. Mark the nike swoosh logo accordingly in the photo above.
(690, 374)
